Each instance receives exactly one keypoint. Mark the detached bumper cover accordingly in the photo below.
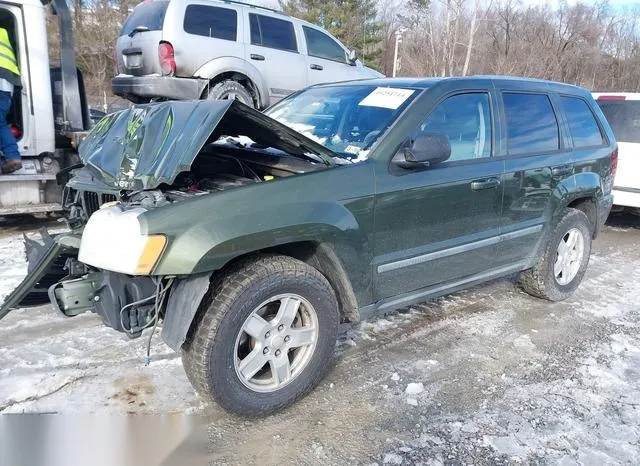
(46, 267)
(148, 87)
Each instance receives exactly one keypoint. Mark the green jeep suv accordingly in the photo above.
(251, 235)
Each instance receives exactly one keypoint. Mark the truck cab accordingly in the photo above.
(48, 116)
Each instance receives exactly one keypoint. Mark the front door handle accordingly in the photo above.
(562, 170)
(316, 67)
(486, 183)
(255, 56)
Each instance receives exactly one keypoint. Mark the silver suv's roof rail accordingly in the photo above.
(237, 2)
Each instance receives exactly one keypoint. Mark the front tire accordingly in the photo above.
(266, 338)
(564, 261)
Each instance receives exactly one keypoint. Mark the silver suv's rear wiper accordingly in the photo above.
(138, 29)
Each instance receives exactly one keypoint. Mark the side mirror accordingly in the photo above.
(428, 149)
(352, 56)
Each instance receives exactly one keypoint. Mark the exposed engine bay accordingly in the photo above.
(222, 165)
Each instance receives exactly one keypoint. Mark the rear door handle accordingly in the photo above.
(486, 183)
(316, 67)
(255, 56)
(562, 170)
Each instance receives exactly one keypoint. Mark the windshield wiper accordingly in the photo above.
(138, 29)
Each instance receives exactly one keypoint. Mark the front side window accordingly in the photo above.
(321, 45)
(465, 119)
(209, 21)
(531, 123)
(345, 119)
(585, 131)
(272, 32)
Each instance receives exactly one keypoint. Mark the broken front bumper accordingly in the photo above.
(49, 262)
(56, 276)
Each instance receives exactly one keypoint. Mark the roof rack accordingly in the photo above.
(237, 2)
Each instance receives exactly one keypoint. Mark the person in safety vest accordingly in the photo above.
(9, 79)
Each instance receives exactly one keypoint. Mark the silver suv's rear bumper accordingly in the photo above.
(139, 88)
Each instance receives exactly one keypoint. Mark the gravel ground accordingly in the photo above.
(487, 376)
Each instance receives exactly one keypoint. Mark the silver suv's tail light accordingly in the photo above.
(167, 59)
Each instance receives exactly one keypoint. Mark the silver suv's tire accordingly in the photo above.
(564, 261)
(266, 337)
(230, 90)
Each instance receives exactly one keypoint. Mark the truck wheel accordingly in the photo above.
(564, 261)
(230, 90)
(266, 338)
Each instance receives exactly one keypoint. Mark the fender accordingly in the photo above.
(221, 65)
(584, 185)
(207, 247)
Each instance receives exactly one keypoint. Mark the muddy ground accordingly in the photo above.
(487, 376)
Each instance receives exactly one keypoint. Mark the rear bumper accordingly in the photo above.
(137, 88)
(603, 208)
(626, 197)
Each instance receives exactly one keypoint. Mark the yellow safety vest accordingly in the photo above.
(8, 60)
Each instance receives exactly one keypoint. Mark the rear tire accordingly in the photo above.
(266, 338)
(564, 261)
(230, 90)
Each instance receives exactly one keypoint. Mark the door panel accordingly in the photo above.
(539, 160)
(443, 222)
(274, 51)
(432, 227)
(326, 58)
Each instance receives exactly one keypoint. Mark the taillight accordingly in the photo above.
(612, 97)
(167, 59)
(614, 163)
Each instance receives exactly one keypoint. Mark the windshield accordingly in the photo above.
(623, 117)
(149, 15)
(348, 120)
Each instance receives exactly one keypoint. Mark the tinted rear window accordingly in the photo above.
(272, 32)
(531, 123)
(584, 129)
(623, 117)
(209, 21)
(149, 15)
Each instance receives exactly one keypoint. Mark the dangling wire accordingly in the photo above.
(160, 294)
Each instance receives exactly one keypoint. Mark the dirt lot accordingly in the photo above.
(488, 376)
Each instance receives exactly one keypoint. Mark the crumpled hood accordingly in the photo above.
(147, 145)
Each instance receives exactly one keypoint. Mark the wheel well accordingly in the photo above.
(588, 206)
(322, 257)
(238, 77)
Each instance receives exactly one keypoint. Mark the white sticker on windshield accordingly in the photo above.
(352, 149)
(386, 97)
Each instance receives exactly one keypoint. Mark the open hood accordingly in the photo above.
(147, 145)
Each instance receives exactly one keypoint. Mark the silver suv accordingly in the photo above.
(211, 49)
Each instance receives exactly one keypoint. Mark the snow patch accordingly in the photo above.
(414, 388)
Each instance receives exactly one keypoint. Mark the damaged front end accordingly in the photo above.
(140, 159)
(126, 303)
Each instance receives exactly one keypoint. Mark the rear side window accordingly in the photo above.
(321, 45)
(148, 15)
(531, 123)
(209, 21)
(272, 32)
(623, 117)
(585, 131)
